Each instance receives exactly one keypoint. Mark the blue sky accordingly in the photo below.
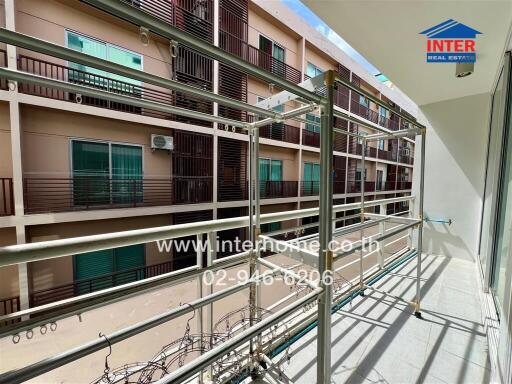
(320, 26)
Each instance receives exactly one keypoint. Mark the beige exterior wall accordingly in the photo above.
(280, 208)
(266, 25)
(52, 131)
(314, 56)
(5, 142)
(50, 19)
(8, 275)
(43, 272)
(289, 157)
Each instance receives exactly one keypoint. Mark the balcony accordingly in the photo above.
(6, 197)
(84, 286)
(64, 73)
(269, 189)
(43, 195)
(281, 132)
(230, 41)
(311, 188)
(386, 155)
(341, 98)
(397, 185)
(406, 159)
(310, 138)
(363, 111)
(9, 305)
(266, 61)
(278, 189)
(355, 186)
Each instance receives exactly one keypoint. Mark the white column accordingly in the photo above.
(17, 167)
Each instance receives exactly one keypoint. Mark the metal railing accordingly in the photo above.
(386, 155)
(7, 306)
(237, 46)
(312, 188)
(397, 185)
(310, 138)
(83, 286)
(65, 73)
(6, 197)
(355, 186)
(282, 132)
(88, 192)
(278, 189)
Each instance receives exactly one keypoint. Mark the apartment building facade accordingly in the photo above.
(72, 165)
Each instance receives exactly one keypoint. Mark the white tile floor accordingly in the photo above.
(376, 339)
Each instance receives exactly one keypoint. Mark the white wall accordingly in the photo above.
(456, 145)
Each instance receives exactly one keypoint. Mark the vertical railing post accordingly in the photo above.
(361, 232)
(134, 193)
(417, 309)
(210, 256)
(325, 234)
(199, 263)
(382, 228)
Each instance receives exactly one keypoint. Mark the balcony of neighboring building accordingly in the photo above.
(6, 197)
(78, 193)
(269, 55)
(81, 75)
(3, 63)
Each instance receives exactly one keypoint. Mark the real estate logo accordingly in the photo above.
(451, 42)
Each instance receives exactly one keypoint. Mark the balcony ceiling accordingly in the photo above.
(387, 34)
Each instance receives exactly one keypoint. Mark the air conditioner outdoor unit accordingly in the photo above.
(162, 142)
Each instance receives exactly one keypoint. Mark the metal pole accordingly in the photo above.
(257, 213)
(361, 232)
(199, 263)
(252, 260)
(325, 235)
(417, 310)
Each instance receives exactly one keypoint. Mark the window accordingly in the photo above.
(380, 178)
(383, 115)
(104, 269)
(364, 101)
(312, 70)
(105, 51)
(313, 124)
(105, 173)
(358, 174)
(271, 170)
(275, 51)
(311, 178)
(381, 144)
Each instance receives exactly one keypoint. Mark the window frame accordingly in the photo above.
(107, 45)
(272, 42)
(99, 141)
